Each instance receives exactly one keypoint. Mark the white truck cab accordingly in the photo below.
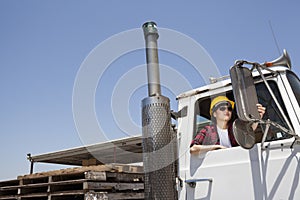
(269, 169)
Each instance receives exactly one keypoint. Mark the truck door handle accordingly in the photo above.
(192, 182)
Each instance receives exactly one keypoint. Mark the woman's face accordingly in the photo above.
(223, 112)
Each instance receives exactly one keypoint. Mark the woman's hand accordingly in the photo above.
(261, 110)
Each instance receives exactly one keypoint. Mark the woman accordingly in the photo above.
(219, 135)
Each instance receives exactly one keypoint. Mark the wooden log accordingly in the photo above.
(96, 195)
(113, 196)
(124, 177)
(114, 181)
(75, 170)
(92, 175)
(112, 186)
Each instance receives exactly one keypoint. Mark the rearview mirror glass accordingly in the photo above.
(244, 93)
(244, 133)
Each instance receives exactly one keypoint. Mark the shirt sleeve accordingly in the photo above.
(198, 140)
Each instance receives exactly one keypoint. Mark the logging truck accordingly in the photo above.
(265, 164)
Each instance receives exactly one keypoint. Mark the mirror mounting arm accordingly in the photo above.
(265, 134)
(258, 67)
(268, 123)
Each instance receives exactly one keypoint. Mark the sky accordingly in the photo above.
(46, 46)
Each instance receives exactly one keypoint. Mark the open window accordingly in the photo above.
(202, 116)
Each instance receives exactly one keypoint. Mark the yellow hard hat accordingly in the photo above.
(219, 100)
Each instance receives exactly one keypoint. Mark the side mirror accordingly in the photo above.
(244, 93)
(244, 133)
(245, 101)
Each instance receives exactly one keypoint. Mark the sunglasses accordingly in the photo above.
(223, 108)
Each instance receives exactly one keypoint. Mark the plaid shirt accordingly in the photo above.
(209, 136)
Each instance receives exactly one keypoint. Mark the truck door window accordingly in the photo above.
(272, 112)
(202, 116)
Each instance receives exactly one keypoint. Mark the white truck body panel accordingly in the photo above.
(237, 173)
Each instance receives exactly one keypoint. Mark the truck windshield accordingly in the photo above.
(272, 111)
(295, 84)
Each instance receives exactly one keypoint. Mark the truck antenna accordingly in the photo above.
(274, 37)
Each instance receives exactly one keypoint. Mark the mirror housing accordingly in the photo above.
(244, 93)
(245, 101)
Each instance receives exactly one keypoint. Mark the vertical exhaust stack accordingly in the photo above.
(156, 121)
(151, 36)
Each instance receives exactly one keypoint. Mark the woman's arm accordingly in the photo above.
(195, 149)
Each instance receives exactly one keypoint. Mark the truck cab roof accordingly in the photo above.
(225, 82)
